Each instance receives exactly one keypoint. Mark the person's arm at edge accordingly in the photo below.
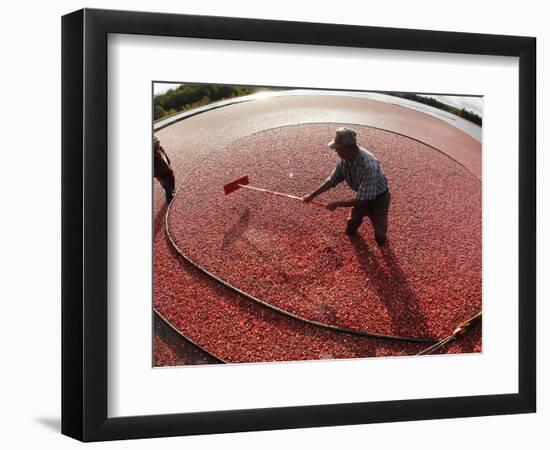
(167, 158)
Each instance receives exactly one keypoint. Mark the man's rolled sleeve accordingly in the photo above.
(336, 177)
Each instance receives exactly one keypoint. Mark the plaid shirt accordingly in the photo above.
(363, 175)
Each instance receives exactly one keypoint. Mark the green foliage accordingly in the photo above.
(187, 97)
(470, 116)
(159, 112)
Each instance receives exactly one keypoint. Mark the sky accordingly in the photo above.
(473, 104)
(160, 88)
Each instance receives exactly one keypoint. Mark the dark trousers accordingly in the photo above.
(168, 183)
(377, 211)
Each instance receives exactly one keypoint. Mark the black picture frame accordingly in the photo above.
(84, 224)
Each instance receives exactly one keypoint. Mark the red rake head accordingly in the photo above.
(234, 185)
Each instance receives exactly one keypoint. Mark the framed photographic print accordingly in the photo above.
(267, 224)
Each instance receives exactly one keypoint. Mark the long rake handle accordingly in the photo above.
(280, 194)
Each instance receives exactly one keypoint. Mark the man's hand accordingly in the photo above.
(307, 198)
(324, 187)
(332, 206)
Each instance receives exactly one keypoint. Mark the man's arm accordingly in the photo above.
(335, 178)
(166, 156)
(331, 206)
(360, 198)
(344, 204)
(323, 188)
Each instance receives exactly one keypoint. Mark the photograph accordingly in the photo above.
(275, 225)
(298, 224)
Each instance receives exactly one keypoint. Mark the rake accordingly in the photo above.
(244, 183)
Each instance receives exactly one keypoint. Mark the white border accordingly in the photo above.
(135, 388)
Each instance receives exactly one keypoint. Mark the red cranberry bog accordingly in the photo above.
(252, 277)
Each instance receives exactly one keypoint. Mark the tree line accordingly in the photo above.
(187, 97)
(465, 114)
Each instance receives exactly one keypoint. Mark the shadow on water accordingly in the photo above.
(158, 221)
(237, 233)
(183, 353)
(237, 230)
(400, 300)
